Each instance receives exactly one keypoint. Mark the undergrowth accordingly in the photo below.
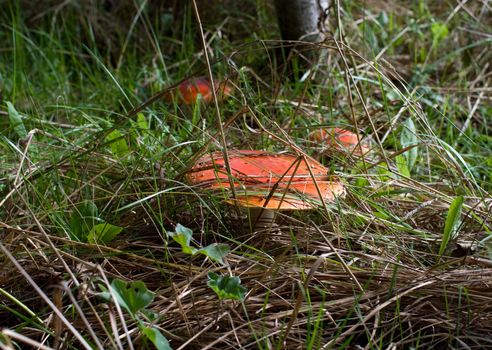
(105, 245)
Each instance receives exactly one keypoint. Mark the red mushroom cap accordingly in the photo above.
(263, 179)
(341, 139)
(188, 90)
(296, 196)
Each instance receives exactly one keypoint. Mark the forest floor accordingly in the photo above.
(107, 244)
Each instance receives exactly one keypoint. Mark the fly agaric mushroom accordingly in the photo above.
(341, 139)
(265, 182)
(187, 92)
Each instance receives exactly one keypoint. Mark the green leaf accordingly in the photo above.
(361, 182)
(226, 287)
(453, 221)
(103, 233)
(142, 122)
(156, 337)
(408, 138)
(384, 173)
(215, 252)
(16, 122)
(117, 143)
(182, 235)
(150, 315)
(439, 32)
(132, 297)
(370, 36)
(401, 164)
(83, 220)
(382, 19)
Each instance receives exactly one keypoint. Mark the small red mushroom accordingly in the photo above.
(187, 92)
(341, 139)
(265, 181)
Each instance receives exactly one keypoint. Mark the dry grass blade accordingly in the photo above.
(97, 206)
(40, 292)
(26, 340)
(215, 99)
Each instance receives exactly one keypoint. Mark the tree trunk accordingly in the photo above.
(301, 19)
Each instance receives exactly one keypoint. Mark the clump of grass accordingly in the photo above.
(91, 183)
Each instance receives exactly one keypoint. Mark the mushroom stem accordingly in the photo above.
(260, 218)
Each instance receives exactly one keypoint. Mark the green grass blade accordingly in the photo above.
(453, 221)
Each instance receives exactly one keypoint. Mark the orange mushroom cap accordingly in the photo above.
(188, 91)
(263, 179)
(341, 139)
(296, 196)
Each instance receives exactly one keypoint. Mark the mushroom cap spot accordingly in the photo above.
(276, 181)
(341, 139)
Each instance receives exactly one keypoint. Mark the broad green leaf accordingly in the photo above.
(226, 287)
(439, 32)
(156, 337)
(408, 138)
(453, 221)
(83, 219)
(215, 252)
(16, 122)
(132, 297)
(117, 143)
(103, 233)
(142, 122)
(401, 164)
(182, 235)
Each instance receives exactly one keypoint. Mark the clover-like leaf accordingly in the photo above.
(156, 337)
(215, 252)
(132, 297)
(226, 287)
(182, 235)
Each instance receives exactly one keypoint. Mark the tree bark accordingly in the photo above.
(301, 19)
